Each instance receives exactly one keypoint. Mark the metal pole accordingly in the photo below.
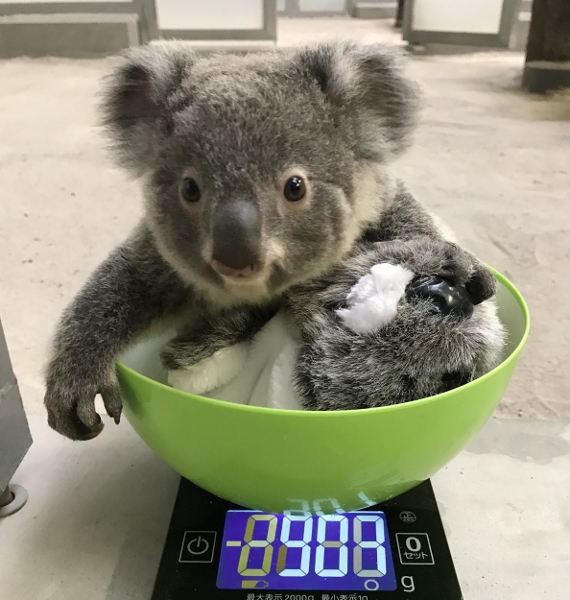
(6, 497)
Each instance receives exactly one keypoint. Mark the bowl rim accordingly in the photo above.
(310, 414)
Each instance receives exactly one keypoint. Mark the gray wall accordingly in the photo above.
(15, 438)
(323, 5)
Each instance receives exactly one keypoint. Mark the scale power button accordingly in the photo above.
(198, 547)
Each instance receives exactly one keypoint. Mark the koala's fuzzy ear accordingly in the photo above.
(138, 101)
(367, 84)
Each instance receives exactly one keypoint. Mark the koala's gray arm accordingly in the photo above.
(407, 220)
(216, 332)
(403, 219)
(130, 290)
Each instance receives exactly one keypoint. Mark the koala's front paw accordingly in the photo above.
(184, 353)
(442, 259)
(429, 256)
(464, 268)
(482, 284)
(71, 404)
(212, 372)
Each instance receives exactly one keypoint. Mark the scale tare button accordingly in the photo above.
(198, 547)
(415, 549)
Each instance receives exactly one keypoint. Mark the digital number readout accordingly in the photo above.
(347, 551)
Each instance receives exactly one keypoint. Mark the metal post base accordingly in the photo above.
(12, 500)
(541, 77)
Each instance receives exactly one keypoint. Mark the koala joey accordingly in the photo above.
(413, 352)
(259, 173)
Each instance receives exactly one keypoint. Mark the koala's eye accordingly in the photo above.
(190, 190)
(295, 189)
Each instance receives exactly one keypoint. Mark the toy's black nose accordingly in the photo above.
(446, 297)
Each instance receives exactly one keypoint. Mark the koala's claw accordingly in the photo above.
(112, 401)
(72, 412)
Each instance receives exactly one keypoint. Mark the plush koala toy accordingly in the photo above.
(367, 333)
(259, 173)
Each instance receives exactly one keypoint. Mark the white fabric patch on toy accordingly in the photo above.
(373, 300)
(260, 372)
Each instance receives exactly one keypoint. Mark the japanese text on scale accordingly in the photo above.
(306, 597)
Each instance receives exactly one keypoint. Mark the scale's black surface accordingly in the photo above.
(421, 567)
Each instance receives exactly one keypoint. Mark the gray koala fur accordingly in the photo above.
(418, 354)
(338, 113)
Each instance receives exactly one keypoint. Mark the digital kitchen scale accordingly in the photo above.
(396, 550)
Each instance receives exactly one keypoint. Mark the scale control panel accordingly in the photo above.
(392, 551)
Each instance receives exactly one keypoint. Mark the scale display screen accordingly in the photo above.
(349, 551)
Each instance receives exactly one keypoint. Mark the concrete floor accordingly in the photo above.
(492, 161)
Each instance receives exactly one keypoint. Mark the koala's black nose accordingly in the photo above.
(236, 236)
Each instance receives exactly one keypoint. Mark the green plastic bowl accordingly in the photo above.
(276, 460)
